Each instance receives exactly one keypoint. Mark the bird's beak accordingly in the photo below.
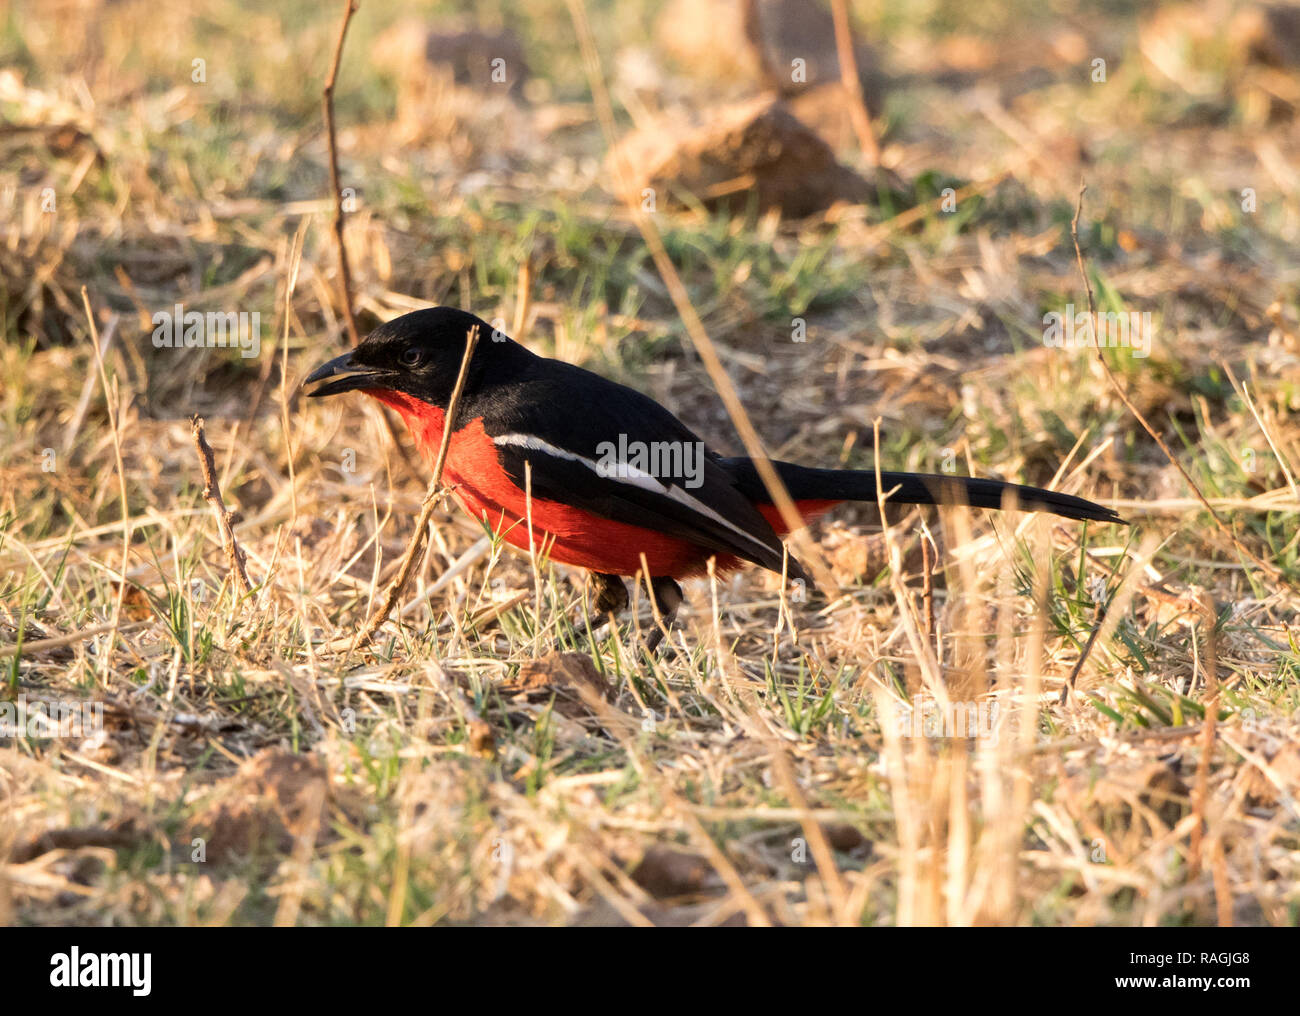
(343, 374)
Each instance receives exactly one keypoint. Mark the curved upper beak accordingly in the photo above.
(342, 374)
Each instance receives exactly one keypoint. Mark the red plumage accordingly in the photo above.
(569, 535)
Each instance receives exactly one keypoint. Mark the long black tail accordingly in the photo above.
(805, 484)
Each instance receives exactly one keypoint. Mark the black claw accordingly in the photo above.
(667, 595)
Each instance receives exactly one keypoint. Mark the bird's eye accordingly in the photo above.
(411, 356)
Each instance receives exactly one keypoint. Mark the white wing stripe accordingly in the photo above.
(634, 477)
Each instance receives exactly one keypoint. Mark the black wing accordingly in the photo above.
(557, 421)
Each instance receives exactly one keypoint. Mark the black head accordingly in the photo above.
(418, 353)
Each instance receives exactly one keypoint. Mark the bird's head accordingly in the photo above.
(418, 354)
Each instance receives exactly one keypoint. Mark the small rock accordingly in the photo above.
(664, 872)
(755, 150)
(844, 837)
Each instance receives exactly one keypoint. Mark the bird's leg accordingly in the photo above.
(611, 593)
(667, 595)
(611, 598)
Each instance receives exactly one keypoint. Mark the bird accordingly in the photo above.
(602, 477)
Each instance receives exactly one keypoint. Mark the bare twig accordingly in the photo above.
(345, 273)
(212, 494)
(1123, 396)
(59, 641)
(431, 499)
(853, 83)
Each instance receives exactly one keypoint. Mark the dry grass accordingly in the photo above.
(758, 770)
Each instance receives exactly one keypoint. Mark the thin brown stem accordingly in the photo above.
(853, 83)
(212, 494)
(345, 273)
(345, 270)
